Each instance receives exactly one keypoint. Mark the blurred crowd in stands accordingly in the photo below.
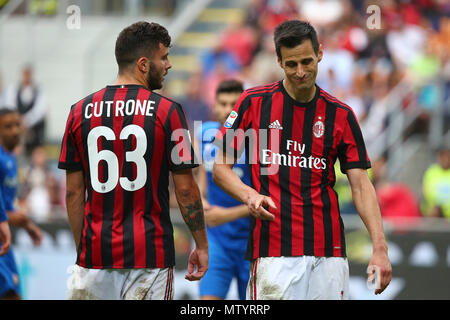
(41, 186)
(365, 58)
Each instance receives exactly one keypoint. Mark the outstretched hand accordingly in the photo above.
(256, 203)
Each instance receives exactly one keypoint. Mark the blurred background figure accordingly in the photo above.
(29, 100)
(398, 203)
(436, 186)
(194, 105)
(38, 184)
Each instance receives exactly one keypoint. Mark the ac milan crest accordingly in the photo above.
(319, 128)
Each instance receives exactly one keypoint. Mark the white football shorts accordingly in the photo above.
(298, 278)
(120, 284)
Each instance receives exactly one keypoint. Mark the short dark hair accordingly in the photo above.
(139, 39)
(230, 86)
(291, 33)
(7, 110)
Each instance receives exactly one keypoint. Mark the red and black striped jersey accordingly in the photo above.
(292, 148)
(125, 139)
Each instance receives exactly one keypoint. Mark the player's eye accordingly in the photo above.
(291, 64)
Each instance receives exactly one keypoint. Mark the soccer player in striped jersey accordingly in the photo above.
(118, 148)
(227, 219)
(293, 132)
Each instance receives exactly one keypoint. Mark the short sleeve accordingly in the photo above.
(231, 136)
(352, 151)
(69, 158)
(179, 145)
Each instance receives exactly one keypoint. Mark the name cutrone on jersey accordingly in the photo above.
(121, 108)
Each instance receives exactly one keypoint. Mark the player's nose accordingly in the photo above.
(300, 71)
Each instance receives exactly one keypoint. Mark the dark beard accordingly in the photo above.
(153, 78)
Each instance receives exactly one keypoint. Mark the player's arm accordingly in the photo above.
(5, 233)
(217, 215)
(366, 203)
(75, 201)
(5, 237)
(229, 181)
(203, 186)
(190, 203)
(19, 219)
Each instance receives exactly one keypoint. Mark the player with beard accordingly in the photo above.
(118, 148)
(10, 131)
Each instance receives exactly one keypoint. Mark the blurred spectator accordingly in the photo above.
(56, 197)
(43, 7)
(240, 40)
(276, 12)
(321, 12)
(212, 80)
(436, 186)
(3, 3)
(264, 68)
(30, 101)
(38, 178)
(193, 103)
(398, 203)
(217, 57)
(378, 110)
(405, 42)
(254, 10)
(356, 94)
(336, 68)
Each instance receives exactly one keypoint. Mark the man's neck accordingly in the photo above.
(124, 79)
(303, 96)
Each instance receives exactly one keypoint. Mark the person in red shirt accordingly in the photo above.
(118, 148)
(293, 132)
(398, 203)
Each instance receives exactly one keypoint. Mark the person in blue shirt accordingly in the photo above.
(227, 220)
(10, 133)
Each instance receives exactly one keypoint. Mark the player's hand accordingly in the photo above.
(256, 203)
(199, 258)
(5, 237)
(380, 270)
(34, 232)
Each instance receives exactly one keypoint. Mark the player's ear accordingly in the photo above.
(143, 64)
(279, 61)
(320, 52)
